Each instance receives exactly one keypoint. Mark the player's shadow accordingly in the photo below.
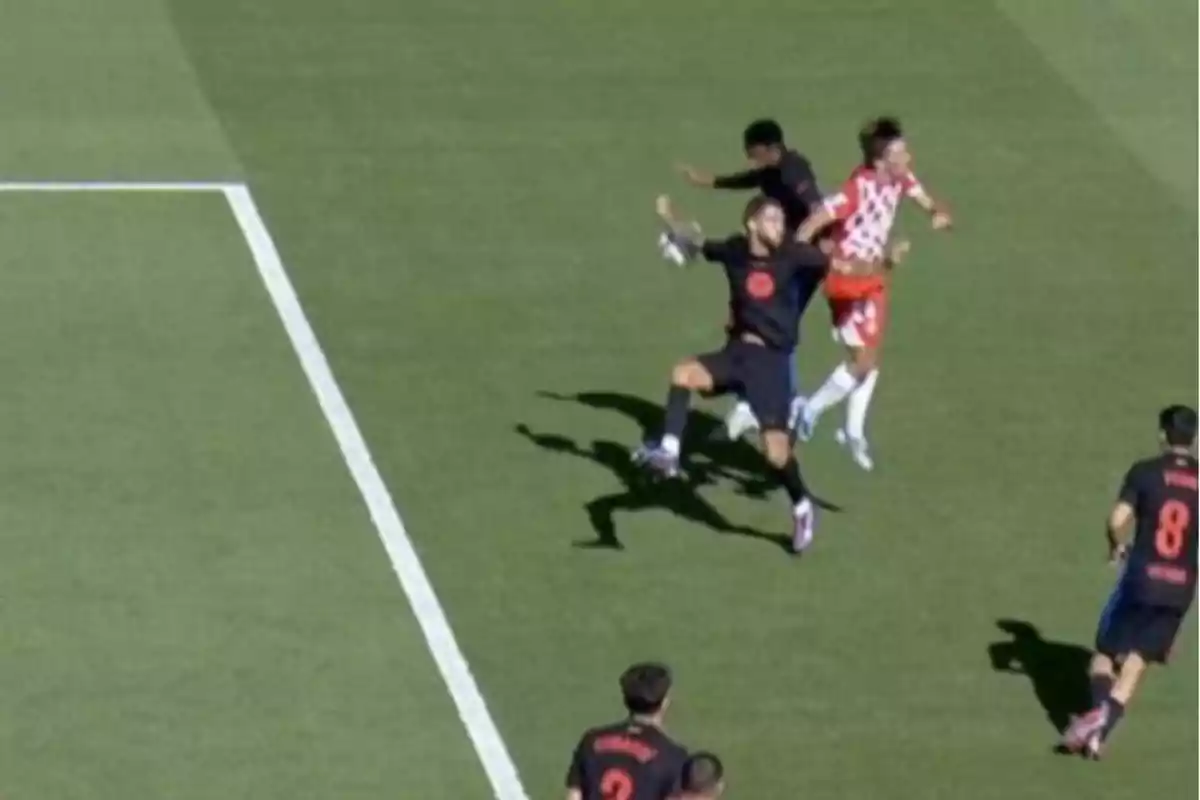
(1057, 670)
(708, 459)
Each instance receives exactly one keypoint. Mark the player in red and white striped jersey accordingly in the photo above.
(865, 210)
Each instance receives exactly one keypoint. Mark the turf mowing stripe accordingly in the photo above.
(497, 763)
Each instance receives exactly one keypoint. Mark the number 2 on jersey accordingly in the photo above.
(1173, 522)
(616, 784)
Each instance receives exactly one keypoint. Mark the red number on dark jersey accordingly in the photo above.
(616, 784)
(1173, 522)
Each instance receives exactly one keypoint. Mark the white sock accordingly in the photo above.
(670, 444)
(857, 405)
(839, 384)
(741, 408)
(803, 507)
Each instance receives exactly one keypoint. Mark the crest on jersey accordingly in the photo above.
(760, 285)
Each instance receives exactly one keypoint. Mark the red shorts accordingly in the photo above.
(860, 323)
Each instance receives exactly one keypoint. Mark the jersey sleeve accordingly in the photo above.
(750, 179)
(715, 250)
(574, 779)
(798, 174)
(1131, 486)
(845, 203)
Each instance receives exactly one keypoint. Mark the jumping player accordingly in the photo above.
(633, 759)
(784, 175)
(866, 210)
(755, 360)
(1157, 583)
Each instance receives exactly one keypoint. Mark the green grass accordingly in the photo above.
(462, 194)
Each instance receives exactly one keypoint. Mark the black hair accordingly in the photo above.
(1178, 425)
(762, 132)
(702, 772)
(876, 136)
(645, 686)
(755, 206)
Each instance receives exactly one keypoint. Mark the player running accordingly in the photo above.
(633, 759)
(755, 360)
(1157, 583)
(865, 210)
(787, 177)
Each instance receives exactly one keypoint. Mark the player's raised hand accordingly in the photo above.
(695, 176)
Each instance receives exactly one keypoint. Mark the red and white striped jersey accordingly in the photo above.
(866, 206)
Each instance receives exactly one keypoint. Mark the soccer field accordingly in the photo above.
(197, 602)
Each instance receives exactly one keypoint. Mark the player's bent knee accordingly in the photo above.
(777, 448)
(691, 375)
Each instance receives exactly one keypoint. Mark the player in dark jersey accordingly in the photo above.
(703, 778)
(764, 322)
(633, 759)
(786, 176)
(1157, 583)
(777, 171)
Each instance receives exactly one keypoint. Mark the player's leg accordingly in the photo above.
(853, 434)
(768, 388)
(689, 375)
(1154, 632)
(856, 327)
(1112, 643)
(741, 419)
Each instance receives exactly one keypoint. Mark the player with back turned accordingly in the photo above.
(1158, 578)
(633, 759)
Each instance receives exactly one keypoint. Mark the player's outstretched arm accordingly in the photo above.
(939, 214)
(750, 179)
(816, 222)
(682, 241)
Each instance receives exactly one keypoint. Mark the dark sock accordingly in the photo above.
(1116, 710)
(1101, 686)
(793, 481)
(677, 411)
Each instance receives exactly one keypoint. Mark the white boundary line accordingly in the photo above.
(472, 710)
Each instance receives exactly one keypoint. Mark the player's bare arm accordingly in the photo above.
(1117, 531)
(696, 177)
(939, 214)
(816, 222)
(574, 794)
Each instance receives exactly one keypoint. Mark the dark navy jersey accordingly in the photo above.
(1161, 567)
(762, 290)
(627, 760)
(791, 183)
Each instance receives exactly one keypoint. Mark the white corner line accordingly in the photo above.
(116, 186)
(472, 710)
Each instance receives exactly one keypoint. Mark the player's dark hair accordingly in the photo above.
(764, 133)
(702, 772)
(756, 205)
(1178, 425)
(876, 136)
(644, 687)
